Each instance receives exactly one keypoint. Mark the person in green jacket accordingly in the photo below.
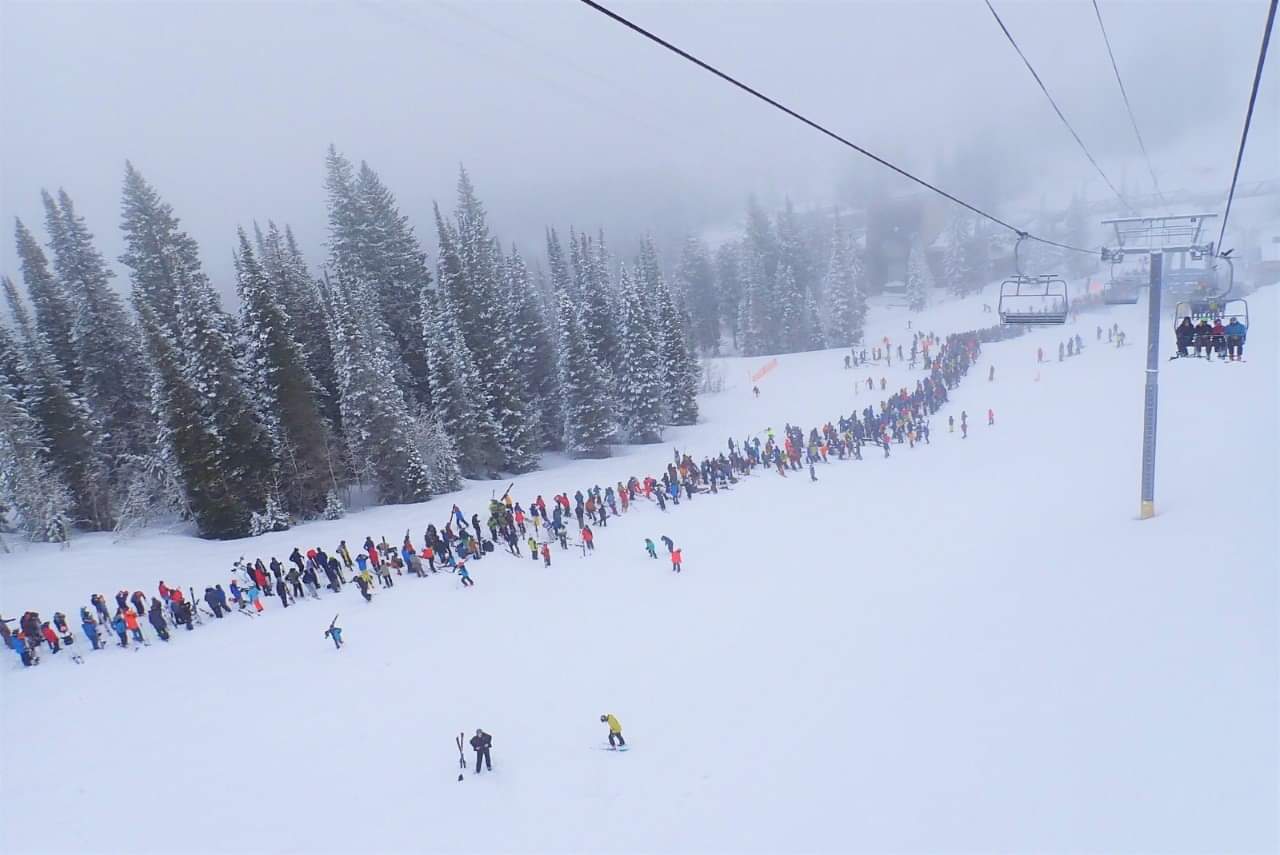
(651, 549)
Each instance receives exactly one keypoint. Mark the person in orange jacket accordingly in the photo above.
(676, 557)
(131, 623)
(50, 636)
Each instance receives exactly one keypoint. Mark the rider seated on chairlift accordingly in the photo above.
(1204, 337)
(1236, 333)
(1185, 333)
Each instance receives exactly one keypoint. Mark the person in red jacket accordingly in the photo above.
(991, 416)
(676, 557)
(546, 555)
(589, 538)
(429, 556)
(50, 637)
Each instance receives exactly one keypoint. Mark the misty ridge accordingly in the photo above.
(310, 298)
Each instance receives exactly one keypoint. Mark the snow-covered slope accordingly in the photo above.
(969, 646)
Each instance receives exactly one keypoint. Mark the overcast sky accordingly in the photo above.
(563, 117)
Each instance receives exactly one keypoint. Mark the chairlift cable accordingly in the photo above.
(1128, 107)
(1248, 119)
(1055, 106)
(733, 81)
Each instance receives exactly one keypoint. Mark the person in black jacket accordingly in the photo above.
(296, 558)
(282, 591)
(480, 744)
(211, 597)
(156, 616)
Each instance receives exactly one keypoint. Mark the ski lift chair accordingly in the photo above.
(1034, 300)
(1211, 311)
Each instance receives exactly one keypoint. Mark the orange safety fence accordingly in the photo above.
(764, 369)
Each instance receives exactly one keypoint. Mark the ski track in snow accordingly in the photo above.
(971, 646)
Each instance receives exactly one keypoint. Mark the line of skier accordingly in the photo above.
(903, 417)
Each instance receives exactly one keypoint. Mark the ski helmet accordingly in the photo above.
(604, 717)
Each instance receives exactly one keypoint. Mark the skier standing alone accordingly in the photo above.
(480, 744)
(615, 730)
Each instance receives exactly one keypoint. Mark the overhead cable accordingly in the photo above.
(1056, 108)
(1155, 183)
(733, 81)
(1248, 118)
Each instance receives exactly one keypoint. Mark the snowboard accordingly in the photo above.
(607, 747)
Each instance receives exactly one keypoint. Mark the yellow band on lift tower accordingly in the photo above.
(1147, 511)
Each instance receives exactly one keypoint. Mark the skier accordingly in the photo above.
(90, 627)
(991, 375)
(546, 554)
(588, 538)
(991, 416)
(615, 730)
(156, 616)
(667, 542)
(335, 632)
(131, 622)
(650, 548)
(464, 576)
(675, 560)
(480, 744)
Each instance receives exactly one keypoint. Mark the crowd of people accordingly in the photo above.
(535, 528)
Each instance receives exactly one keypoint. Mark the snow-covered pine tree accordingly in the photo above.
(356, 258)
(561, 279)
(379, 426)
(396, 269)
(469, 413)
(729, 287)
(846, 305)
(598, 318)
(459, 395)
(66, 429)
(284, 392)
(919, 279)
(184, 308)
(757, 322)
(588, 421)
(217, 504)
(762, 241)
(334, 509)
(439, 453)
(698, 280)
(789, 300)
(272, 518)
(32, 491)
(679, 364)
(640, 384)
(300, 296)
(977, 256)
(794, 253)
(533, 351)
(811, 335)
(52, 305)
(478, 297)
(109, 351)
(954, 269)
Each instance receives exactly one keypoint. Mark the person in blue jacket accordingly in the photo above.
(90, 627)
(1236, 333)
(463, 575)
(118, 624)
(20, 647)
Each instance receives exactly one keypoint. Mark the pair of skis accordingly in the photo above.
(462, 758)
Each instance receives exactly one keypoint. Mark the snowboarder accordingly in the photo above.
(650, 548)
(362, 582)
(156, 616)
(480, 744)
(991, 374)
(666, 541)
(546, 554)
(464, 576)
(335, 632)
(615, 730)
(991, 416)
(676, 557)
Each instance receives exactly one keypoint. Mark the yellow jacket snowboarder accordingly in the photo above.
(615, 730)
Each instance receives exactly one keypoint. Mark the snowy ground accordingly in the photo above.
(973, 646)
